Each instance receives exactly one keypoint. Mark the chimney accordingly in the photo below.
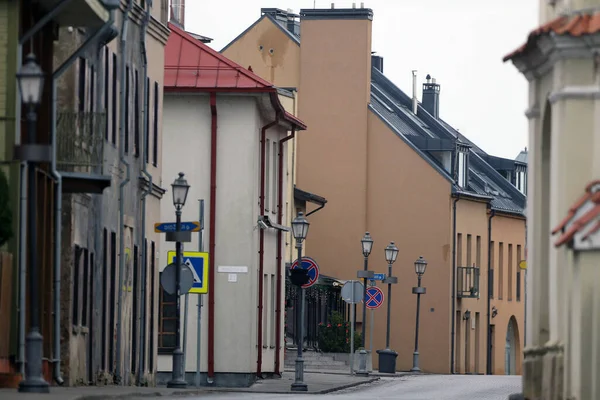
(414, 95)
(431, 97)
(178, 13)
(377, 62)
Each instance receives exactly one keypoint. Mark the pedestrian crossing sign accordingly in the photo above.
(197, 261)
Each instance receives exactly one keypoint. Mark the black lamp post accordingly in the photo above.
(299, 277)
(31, 85)
(180, 189)
(420, 266)
(367, 246)
(387, 357)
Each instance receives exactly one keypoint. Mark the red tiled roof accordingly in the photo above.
(573, 25)
(191, 64)
(582, 221)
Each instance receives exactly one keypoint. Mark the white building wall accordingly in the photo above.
(186, 148)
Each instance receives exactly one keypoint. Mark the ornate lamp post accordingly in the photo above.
(420, 266)
(180, 189)
(387, 357)
(299, 277)
(31, 85)
(367, 246)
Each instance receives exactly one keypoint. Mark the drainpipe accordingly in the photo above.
(453, 317)
(124, 29)
(58, 193)
(211, 237)
(279, 251)
(143, 155)
(261, 250)
(489, 302)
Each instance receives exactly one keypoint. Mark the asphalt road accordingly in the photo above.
(424, 387)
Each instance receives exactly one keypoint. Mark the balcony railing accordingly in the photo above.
(467, 282)
(80, 142)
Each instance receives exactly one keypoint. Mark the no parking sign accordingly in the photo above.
(313, 270)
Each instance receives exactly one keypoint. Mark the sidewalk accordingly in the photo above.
(318, 383)
(373, 374)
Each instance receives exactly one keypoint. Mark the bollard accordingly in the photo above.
(362, 363)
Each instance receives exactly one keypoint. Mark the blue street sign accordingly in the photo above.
(193, 226)
(374, 298)
(198, 263)
(378, 277)
(313, 270)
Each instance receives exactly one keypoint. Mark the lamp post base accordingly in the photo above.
(415, 367)
(177, 381)
(299, 385)
(34, 381)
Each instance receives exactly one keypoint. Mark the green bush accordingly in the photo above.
(334, 337)
(5, 214)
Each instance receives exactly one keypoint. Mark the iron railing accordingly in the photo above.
(80, 141)
(467, 282)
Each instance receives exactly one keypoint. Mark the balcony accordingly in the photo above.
(80, 151)
(79, 13)
(467, 282)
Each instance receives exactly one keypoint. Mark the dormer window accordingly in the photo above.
(521, 178)
(462, 166)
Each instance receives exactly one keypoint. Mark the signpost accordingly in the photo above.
(313, 270)
(198, 262)
(352, 293)
(163, 227)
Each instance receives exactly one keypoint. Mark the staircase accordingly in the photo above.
(314, 361)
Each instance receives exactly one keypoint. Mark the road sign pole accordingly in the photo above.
(186, 304)
(199, 321)
(352, 318)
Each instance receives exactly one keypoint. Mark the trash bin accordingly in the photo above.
(387, 361)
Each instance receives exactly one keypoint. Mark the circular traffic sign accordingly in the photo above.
(313, 270)
(374, 298)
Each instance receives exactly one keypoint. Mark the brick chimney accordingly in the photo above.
(177, 13)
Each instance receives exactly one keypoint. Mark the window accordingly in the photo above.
(76, 284)
(106, 97)
(147, 120)
(519, 272)
(81, 85)
(114, 99)
(152, 299)
(459, 249)
(267, 175)
(500, 270)
(155, 130)
(462, 169)
(167, 322)
(469, 251)
(136, 114)
(265, 315)
(274, 307)
(521, 181)
(85, 285)
(478, 251)
(510, 271)
(491, 277)
(275, 173)
(113, 299)
(92, 91)
(126, 109)
(104, 294)
(134, 311)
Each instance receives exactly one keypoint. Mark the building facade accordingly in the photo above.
(227, 130)
(560, 62)
(459, 207)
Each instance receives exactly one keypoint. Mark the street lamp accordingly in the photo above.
(367, 245)
(420, 267)
(387, 357)
(299, 277)
(30, 79)
(180, 190)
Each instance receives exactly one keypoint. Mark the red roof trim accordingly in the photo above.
(582, 221)
(575, 25)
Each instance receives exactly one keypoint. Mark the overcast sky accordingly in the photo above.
(459, 42)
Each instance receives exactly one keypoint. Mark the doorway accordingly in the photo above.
(510, 349)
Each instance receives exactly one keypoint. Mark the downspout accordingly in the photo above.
(453, 317)
(261, 249)
(58, 194)
(211, 237)
(123, 160)
(279, 250)
(489, 302)
(143, 155)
